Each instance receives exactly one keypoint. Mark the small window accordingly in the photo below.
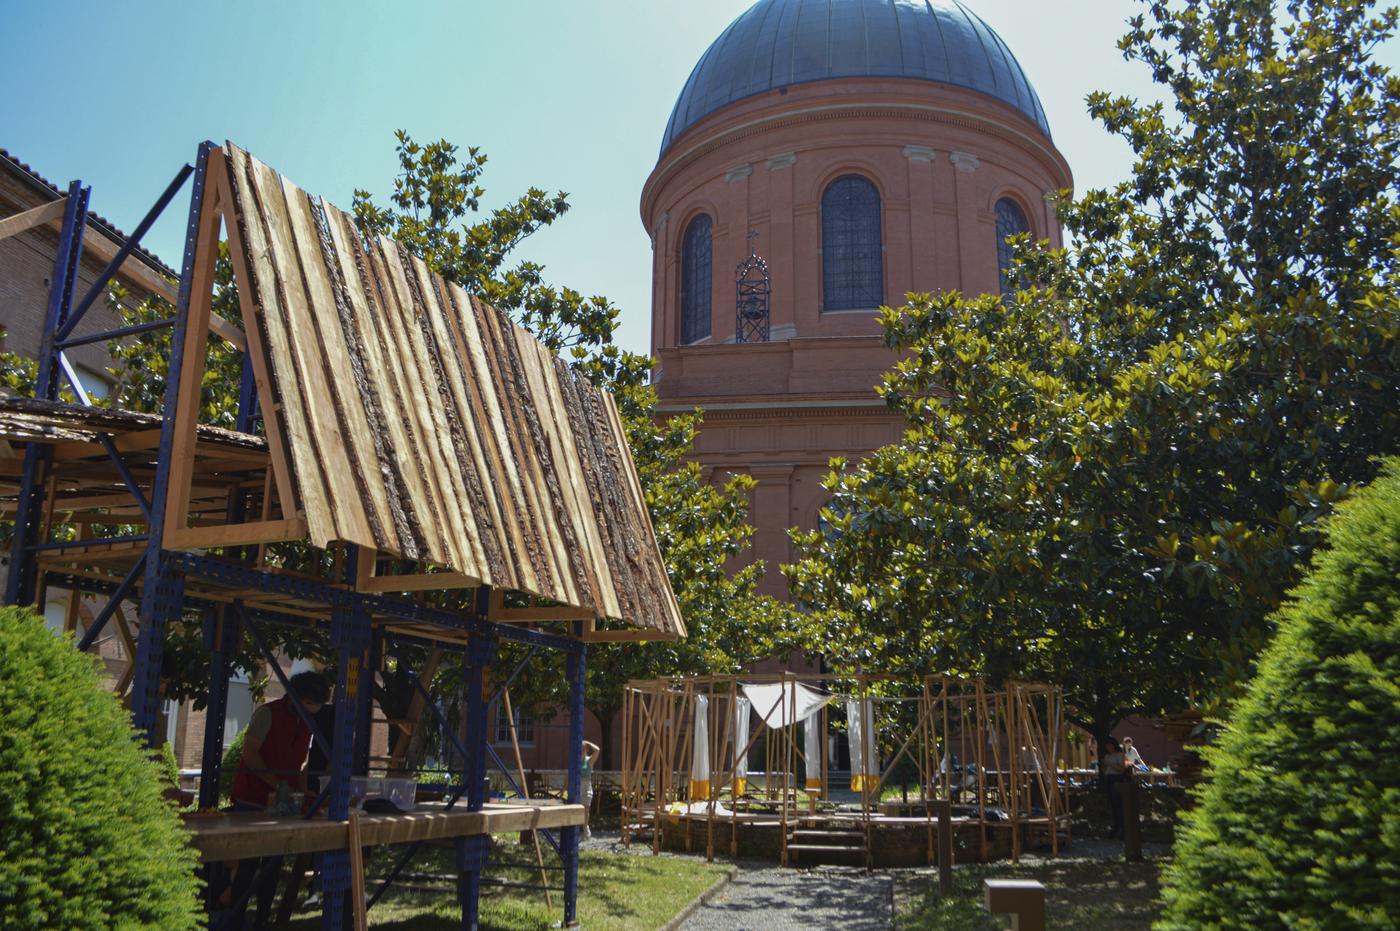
(852, 253)
(695, 280)
(1011, 221)
(524, 727)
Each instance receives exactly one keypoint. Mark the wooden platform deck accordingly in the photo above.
(242, 836)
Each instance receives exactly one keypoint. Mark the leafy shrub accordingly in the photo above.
(233, 758)
(85, 839)
(1299, 824)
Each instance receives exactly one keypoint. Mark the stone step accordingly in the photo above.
(823, 848)
(856, 837)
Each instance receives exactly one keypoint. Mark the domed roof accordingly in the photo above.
(781, 42)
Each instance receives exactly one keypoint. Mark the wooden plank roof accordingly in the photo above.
(423, 423)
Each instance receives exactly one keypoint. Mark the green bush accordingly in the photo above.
(233, 758)
(85, 839)
(1299, 823)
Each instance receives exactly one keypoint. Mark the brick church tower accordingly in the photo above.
(863, 149)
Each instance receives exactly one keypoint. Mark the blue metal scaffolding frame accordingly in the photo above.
(172, 585)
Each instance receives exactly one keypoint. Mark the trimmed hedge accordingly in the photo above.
(86, 840)
(1299, 823)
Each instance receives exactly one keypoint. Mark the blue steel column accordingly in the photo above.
(221, 638)
(575, 667)
(349, 638)
(20, 585)
(472, 851)
(364, 728)
(158, 609)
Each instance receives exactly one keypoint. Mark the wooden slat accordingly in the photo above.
(260, 303)
(367, 506)
(325, 451)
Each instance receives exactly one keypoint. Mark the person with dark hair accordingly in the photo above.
(1113, 769)
(275, 746)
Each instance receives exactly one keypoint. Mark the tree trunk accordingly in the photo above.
(605, 718)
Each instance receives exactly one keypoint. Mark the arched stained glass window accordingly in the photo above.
(1011, 220)
(695, 280)
(853, 275)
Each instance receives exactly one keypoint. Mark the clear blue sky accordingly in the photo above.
(564, 95)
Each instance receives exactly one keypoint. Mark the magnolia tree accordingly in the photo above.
(1109, 476)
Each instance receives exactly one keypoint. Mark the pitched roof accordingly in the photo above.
(418, 421)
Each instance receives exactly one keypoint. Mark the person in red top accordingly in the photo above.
(276, 743)
(275, 747)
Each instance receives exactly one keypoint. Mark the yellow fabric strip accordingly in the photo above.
(741, 785)
(699, 790)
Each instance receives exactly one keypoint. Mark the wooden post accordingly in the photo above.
(945, 846)
(357, 874)
(525, 790)
(1022, 899)
(1132, 829)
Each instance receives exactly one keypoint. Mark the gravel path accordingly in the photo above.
(763, 897)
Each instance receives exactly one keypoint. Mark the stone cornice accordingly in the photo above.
(995, 127)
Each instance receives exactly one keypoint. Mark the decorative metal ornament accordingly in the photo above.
(753, 288)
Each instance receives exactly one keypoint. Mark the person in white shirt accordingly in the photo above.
(1131, 755)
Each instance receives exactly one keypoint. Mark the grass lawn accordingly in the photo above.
(617, 892)
(1080, 894)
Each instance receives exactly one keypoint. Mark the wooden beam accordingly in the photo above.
(124, 442)
(559, 613)
(221, 327)
(37, 216)
(416, 705)
(616, 636)
(263, 531)
(193, 360)
(426, 582)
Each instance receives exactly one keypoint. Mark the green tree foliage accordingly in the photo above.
(1110, 476)
(1299, 824)
(86, 840)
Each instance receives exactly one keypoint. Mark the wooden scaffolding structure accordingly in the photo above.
(408, 469)
(994, 759)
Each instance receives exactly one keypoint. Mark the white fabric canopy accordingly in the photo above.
(812, 748)
(700, 752)
(782, 703)
(741, 744)
(865, 754)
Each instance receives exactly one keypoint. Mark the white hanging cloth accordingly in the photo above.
(812, 747)
(865, 758)
(780, 704)
(700, 751)
(741, 744)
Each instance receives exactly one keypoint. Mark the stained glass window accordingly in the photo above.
(1010, 221)
(695, 280)
(852, 258)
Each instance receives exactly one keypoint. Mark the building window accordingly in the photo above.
(1011, 220)
(852, 257)
(695, 280)
(524, 727)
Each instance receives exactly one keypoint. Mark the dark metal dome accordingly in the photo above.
(781, 42)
